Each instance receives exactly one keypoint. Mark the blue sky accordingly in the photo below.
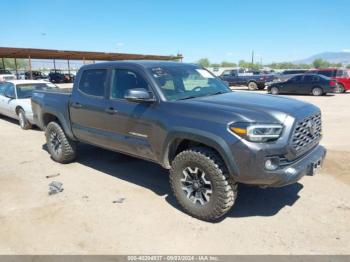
(220, 30)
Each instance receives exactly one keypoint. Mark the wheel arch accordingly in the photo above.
(18, 107)
(179, 141)
(48, 117)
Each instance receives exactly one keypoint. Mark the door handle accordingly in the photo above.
(111, 111)
(77, 105)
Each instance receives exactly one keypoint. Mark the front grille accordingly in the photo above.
(307, 133)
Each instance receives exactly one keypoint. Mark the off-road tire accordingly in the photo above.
(317, 91)
(252, 86)
(224, 189)
(23, 121)
(68, 150)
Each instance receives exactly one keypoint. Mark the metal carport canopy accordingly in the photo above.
(33, 53)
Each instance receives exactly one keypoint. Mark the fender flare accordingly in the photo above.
(206, 138)
(62, 121)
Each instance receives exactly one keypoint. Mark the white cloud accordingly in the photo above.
(120, 44)
(229, 54)
(346, 50)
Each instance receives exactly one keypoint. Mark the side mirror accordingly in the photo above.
(138, 95)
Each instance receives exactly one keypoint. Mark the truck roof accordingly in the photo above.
(144, 63)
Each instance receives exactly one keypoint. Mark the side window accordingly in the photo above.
(311, 78)
(296, 79)
(10, 90)
(226, 73)
(2, 89)
(123, 80)
(93, 82)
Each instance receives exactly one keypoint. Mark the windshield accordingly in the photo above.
(26, 90)
(178, 82)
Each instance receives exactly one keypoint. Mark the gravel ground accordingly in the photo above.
(309, 217)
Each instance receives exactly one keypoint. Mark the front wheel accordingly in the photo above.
(23, 121)
(199, 182)
(252, 86)
(274, 90)
(317, 91)
(61, 148)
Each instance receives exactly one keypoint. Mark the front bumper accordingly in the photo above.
(289, 173)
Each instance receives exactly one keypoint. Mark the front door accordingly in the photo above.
(130, 123)
(293, 85)
(7, 99)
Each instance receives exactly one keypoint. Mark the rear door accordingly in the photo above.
(88, 107)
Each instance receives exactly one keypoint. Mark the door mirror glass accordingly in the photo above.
(138, 95)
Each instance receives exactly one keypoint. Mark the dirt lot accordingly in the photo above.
(310, 217)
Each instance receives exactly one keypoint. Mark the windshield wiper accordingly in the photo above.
(189, 97)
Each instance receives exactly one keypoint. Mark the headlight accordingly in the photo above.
(257, 132)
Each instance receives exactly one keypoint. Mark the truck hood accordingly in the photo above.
(249, 105)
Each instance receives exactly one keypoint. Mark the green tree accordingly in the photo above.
(319, 63)
(204, 62)
(10, 63)
(348, 66)
(228, 64)
(215, 65)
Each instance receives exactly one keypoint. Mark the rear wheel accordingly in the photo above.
(339, 88)
(317, 91)
(200, 184)
(23, 121)
(61, 148)
(252, 86)
(274, 90)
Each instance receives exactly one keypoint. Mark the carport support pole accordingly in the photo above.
(30, 67)
(3, 63)
(16, 67)
(54, 64)
(68, 67)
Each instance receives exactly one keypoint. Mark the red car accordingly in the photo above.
(342, 76)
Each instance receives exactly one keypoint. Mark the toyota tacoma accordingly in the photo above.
(187, 120)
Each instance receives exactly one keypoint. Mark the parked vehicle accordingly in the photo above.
(316, 85)
(6, 75)
(56, 77)
(69, 78)
(187, 120)
(289, 73)
(341, 75)
(15, 99)
(253, 81)
(36, 75)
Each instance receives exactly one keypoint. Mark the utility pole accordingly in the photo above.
(253, 57)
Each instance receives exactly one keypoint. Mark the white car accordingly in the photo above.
(15, 99)
(6, 75)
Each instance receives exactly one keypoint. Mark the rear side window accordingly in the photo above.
(328, 73)
(311, 78)
(93, 82)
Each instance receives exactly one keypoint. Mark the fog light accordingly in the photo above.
(271, 164)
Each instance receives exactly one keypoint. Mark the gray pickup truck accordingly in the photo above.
(187, 120)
